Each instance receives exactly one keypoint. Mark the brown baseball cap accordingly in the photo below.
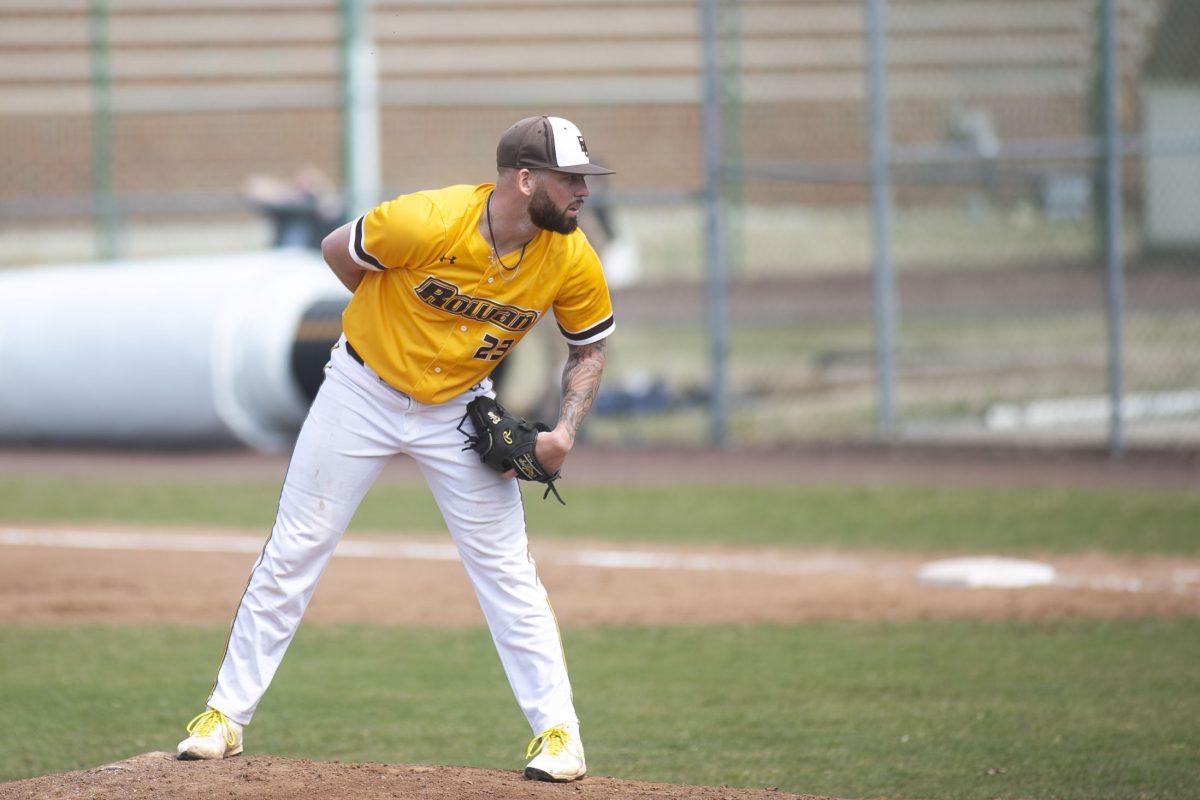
(547, 143)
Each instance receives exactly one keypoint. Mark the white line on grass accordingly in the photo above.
(416, 551)
(1184, 581)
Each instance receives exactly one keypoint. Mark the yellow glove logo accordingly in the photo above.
(507, 436)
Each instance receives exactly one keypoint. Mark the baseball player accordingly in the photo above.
(446, 283)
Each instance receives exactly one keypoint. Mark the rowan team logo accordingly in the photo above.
(446, 296)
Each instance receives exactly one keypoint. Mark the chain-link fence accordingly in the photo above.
(135, 126)
(1010, 319)
(138, 127)
(1009, 334)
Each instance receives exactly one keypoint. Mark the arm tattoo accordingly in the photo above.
(580, 382)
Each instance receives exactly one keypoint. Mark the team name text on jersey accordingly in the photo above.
(446, 296)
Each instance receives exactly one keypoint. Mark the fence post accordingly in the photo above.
(884, 296)
(104, 208)
(714, 226)
(1113, 259)
(360, 110)
(729, 55)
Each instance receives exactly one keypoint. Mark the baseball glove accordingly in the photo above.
(506, 442)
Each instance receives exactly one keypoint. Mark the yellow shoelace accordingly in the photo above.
(553, 740)
(205, 723)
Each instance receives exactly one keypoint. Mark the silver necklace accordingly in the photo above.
(494, 257)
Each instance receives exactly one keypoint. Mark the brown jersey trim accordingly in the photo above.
(359, 251)
(597, 331)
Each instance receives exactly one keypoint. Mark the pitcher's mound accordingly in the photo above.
(159, 775)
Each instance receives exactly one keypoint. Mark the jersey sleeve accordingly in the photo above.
(398, 234)
(583, 307)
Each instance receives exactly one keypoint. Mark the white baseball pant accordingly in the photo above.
(355, 425)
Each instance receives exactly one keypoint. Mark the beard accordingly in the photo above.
(544, 214)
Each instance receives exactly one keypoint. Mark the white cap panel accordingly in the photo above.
(569, 147)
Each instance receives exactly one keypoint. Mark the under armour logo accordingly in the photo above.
(450, 259)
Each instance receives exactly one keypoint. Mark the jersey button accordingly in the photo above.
(462, 328)
(491, 279)
(437, 369)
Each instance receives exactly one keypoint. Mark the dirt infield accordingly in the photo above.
(50, 586)
(171, 577)
(159, 775)
(57, 585)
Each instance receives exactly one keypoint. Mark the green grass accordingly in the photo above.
(1086, 710)
(926, 518)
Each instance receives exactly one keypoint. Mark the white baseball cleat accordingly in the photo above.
(557, 755)
(211, 735)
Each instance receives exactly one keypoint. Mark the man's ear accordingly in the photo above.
(527, 181)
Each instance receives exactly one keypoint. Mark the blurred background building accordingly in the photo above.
(1010, 309)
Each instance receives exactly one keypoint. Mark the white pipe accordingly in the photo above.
(164, 351)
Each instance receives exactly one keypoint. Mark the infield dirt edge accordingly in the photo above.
(261, 777)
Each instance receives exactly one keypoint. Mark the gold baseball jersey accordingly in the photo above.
(433, 314)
